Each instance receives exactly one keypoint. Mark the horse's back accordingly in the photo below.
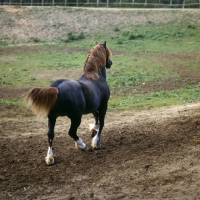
(58, 82)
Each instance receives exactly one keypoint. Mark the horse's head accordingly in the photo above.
(108, 54)
(98, 57)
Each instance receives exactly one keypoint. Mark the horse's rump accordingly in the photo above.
(41, 100)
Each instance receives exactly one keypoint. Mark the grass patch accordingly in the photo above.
(3, 43)
(156, 99)
(37, 65)
(165, 38)
(9, 102)
(134, 71)
(72, 37)
(155, 56)
(35, 40)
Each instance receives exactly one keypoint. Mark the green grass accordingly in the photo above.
(153, 55)
(8, 102)
(134, 70)
(156, 99)
(24, 68)
(158, 38)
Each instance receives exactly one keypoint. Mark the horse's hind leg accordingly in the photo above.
(51, 124)
(75, 123)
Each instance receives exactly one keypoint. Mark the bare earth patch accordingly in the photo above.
(150, 154)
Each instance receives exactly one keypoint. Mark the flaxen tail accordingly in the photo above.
(41, 100)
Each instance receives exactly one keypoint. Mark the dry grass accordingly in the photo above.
(52, 23)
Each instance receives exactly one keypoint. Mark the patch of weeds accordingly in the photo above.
(35, 40)
(177, 33)
(2, 43)
(119, 42)
(72, 37)
(126, 33)
(3, 82)
(9, 102)
(191, 26)
(135, 37)
(116, 29)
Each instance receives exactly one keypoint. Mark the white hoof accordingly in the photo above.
(49, 158)
(95, 142)
(79, 144)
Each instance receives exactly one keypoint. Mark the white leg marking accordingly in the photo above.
(95, 141)
(49, 159)
(79, 144)
(94, 127)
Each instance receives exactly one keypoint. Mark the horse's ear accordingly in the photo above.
(104, 44)
(96, 43)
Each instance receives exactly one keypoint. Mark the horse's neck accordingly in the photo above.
(103, 72)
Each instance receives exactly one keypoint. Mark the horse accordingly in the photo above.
(74, 98)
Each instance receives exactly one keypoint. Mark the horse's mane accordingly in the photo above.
(96, 59)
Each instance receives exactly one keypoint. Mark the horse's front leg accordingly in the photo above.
(51, 124)
(96, 139)
(75, 123)
(94, 128)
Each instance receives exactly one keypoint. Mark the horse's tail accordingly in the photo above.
(41, 100)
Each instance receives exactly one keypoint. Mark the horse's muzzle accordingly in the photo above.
(108, 64)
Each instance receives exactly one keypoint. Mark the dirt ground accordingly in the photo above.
(152, 154)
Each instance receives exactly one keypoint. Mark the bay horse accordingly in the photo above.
(73, 98)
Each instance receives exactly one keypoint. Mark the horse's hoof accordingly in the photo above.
(82, 148)
(79, 144)
(49, 161)
(97, 147)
